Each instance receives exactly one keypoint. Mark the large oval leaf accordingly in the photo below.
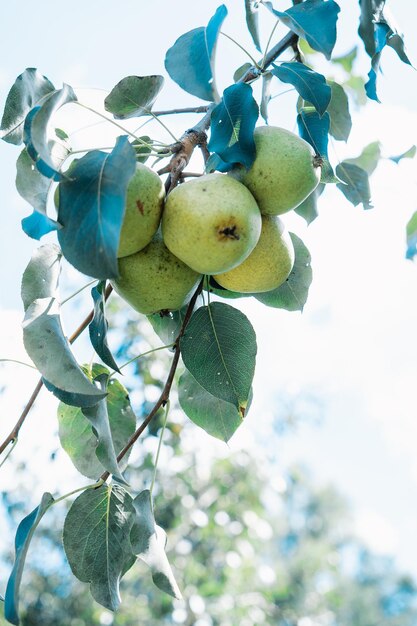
(97, 540)
(310, 85)
(28, 90)
(76, 432)
(190, 61)
(219, 349)
(355, 186)
(232, 124)
(315, 21)
(292, 295)
(315, 130)
(50, 351)
(40, 278)
(91, 209)
(133, 96)
(148, 542)
(217, 417)
(35, 134)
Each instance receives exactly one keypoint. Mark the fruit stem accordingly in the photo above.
(164, 397)
(16, 428)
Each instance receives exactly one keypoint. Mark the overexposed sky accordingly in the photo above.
(353, 349)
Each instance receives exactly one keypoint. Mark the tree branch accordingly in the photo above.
(16, 428)
(164, 397)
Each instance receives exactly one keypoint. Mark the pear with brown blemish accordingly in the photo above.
(212, 223)
(144, 202)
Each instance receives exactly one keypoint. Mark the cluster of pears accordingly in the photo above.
(223, 225)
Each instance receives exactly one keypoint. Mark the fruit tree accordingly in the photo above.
(179, 229)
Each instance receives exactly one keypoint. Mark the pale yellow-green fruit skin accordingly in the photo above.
(154, 280)
(144, 202)
(268, 266)
(212, 223)
(283, 173)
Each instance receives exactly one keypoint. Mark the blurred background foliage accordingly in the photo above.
(249, 545)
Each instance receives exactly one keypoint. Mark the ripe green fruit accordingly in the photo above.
(268, 266)
(144, 202)
(212, 223)
(284, 172)
(153, 279)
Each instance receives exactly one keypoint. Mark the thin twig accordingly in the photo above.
(164, 397)
(16, 428)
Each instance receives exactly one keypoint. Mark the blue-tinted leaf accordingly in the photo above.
(370, 86)
(35, 134)
(27, 91)
(98, 327)
(190, 61)
(49, 349)
(215, 163)
(356, 188)
(315, 130)
(219, 349)
(408, 154)
(40, 278)
(310, 85)
(148, 542)
(251, 8)
(308, 208)
(412, 237)
(133, 96)
(23, 538)
(292, 295)
(233, 121)
(315, 21)
(91, 209)
(99, 418)
(217, 417)
(338, 109)
(97, 540)
(34, 188)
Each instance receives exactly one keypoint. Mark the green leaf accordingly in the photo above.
(50, 351)
(98, 327)
(77, 436)
(190, 61)
(241, 71)
(217, 417)
(97, 540)
(408, 154)
(218, 290)
(142, 151)
(356, 188)
(232, 124)
(347, 60)
(219, 349)
(167, 325)
(133, 96)
(40, 278)
(368, 158)
(292, 295)
(412, 237)
(28, 90)
(308, 208)
(251, 9)
(35, 132)
(266, 95)
(148, 542)
(338, 109)
(311, 85)
(24, 535)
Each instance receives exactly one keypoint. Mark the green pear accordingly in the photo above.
(144, 202)
(212, 223)
(154, 280)
(267, 266)
(284, 173)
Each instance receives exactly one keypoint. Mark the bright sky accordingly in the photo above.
(353, 349)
